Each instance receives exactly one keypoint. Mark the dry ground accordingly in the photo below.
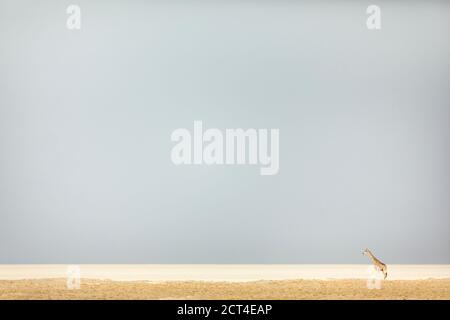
(285, 289)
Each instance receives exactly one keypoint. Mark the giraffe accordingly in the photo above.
(380, 266)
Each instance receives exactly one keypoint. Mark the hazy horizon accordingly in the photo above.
(220, 272)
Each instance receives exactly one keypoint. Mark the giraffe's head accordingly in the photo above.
(365, 252)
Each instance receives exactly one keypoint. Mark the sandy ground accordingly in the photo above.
(285, 289)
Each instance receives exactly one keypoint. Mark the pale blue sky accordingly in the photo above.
(86, 118)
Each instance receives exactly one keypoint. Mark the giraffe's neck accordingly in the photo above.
(372, 257)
